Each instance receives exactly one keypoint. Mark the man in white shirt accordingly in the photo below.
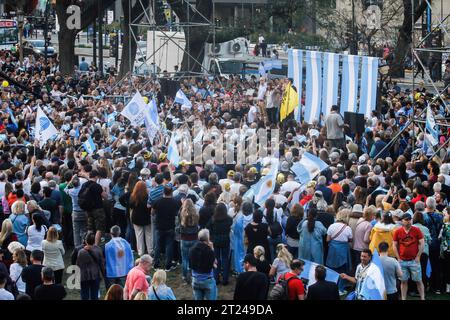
(290, 185)
(4, 294)
(252, 114)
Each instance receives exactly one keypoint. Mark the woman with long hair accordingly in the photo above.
(119, 216)
(311, 233)
(125, 202)
(273, 220)
(292, 235)
(281, 263)
(158, 289)
(339, 236)
(257, 233)
(53, 253)
(15, 270)
(207, 211)
(115, 293)
(220, 227)
(36, 233)
(7, 236)
(237, 234)
(188, 234)
(19, 221)
(140, 217)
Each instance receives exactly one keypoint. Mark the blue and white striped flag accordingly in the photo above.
(430, 126)
(153, 112)
(349, 91)
(330, 82)
(266, 185)
(89, 146)
(373, 286)
(295, 70)
(368, 87)
(183, 100)
(172, 153)
(313, 86)
(77, 132)
(308, 167)
(309, 269)
(262, 70)
(111, 118)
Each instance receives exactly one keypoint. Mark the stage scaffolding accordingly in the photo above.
(146, 21)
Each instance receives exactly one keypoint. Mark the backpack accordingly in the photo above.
(280, 289)
(84, 198)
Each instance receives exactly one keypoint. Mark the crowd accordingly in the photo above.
(123, 214)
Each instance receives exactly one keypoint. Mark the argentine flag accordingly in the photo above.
(89, 146)
(266, 185)
(372, 287)
(308, 167)
(430, 125)
(172, 154)
(183, 100)
(45, 129)
(309, 270)
(152, 111)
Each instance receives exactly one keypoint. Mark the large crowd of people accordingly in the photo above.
(125, 215)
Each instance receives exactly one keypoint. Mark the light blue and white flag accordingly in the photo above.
(308, 167)
(330, 82)
(45, 129)
(261, 69)
(111, 118)
(183, 100)
(135, 110)
(368, 87)
(172, 153)
(430, 126)
(77, 132)
(266, 185)
(11, 116)
(372, 287)
(349, 91)
(309, 269)
(296, 64)
(313, 86)
(153, 112)
(89, 146)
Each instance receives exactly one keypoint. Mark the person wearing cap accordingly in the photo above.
(408, 246)
(228, 179)
(251, 284)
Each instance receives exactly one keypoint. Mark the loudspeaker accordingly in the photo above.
(169, 87)
(355, 121)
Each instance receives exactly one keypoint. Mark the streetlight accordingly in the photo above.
(20, 20)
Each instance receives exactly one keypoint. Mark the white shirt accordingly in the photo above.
(289, 186)
(15, 271)
(234, 189)
(35, 237)
(5, 295)
(251, 117)
(260, 39)
(345, 235)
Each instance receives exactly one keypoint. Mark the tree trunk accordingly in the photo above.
(405, 37)
(129, 46)
(66, 39)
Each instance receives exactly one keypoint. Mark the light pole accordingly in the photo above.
(46, 30)
(20, 20)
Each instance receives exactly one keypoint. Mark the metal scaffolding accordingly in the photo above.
(416, 48)
(146, 21)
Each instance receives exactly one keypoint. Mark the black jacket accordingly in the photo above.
(220, 232)
(323, 290)
(251, 286)
(201, 258)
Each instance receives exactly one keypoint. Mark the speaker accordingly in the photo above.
(355, 121)
(169, 87)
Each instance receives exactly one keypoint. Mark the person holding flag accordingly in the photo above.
(44, 129)
(289, 102)
(89, 146)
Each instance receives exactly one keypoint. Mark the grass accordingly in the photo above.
(183, 291)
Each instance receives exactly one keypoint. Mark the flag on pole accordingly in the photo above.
(89, 146)
(308, 167)
(172, 153)
(430, 125)
(183, 100)
(289, 103)
(135, 110)
(44, 128)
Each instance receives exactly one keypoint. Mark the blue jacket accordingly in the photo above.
(163, 292)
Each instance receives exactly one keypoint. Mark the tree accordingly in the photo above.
(90, 10)
(405, 35)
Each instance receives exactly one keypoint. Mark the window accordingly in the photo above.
(8, 36)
